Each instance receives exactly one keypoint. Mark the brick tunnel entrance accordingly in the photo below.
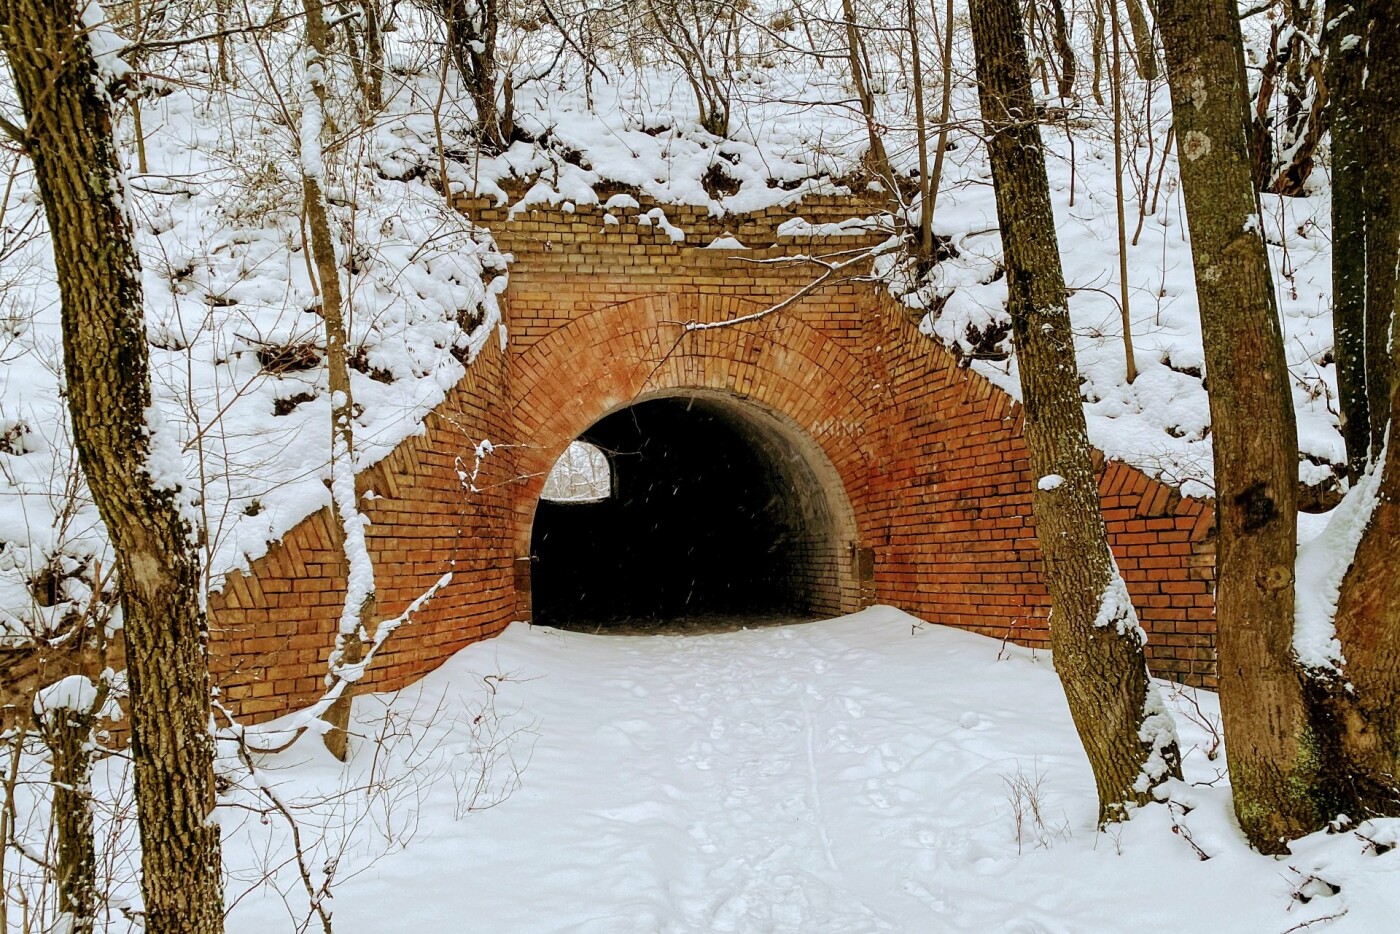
(700, 507)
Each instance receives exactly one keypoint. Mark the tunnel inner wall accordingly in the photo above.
(715, 510)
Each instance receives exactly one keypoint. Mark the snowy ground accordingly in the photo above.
(851, 775)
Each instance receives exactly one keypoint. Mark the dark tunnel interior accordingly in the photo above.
(715, 510)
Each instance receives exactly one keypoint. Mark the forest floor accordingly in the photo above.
(861, 774)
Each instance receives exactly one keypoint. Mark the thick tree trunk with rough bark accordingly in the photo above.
(1364, 97)
(1362, 707)
(132, 471)
(1273, 754)
(1094, 632)
(1346, 60)
(1359, 710)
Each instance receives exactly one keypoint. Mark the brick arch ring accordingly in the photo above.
(785, 383)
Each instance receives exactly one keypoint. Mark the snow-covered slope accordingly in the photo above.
(237, 348)
(795, 132)
(236, 351)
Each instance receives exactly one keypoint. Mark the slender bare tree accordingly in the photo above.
(1345, 38)
(1098, 644)
(360, 604)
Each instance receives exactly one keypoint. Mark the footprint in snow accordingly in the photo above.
(631, 687)
(698, 756)
(924, 895)
(876, 798)
(730, 913)
(1027, 926)
(702, 838)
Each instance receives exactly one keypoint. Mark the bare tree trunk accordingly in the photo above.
(360, 599)
(1261, 128)
(1361, 759)
(1273, 753)
(1064, 48)
(1366, 218)
(1144, 48)
(855, 53)
(373, 86)
(1363, 764)
(1305, 106)
(1099, 46)
(1097, 642)
(472, 28)
(360, 605)
(1381, 98)
(1125, 306)
(923, 239)
(945, 113)
(1346, 51)
(67, 732)
(132, 466)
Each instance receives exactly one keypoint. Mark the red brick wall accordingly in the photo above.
(961, 543)
(272, 630)
(923, 459)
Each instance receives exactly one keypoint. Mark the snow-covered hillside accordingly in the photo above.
(237, 348)
(237, 355)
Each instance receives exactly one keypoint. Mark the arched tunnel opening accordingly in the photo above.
(691, 511)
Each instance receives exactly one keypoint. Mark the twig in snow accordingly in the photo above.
(1321, 920)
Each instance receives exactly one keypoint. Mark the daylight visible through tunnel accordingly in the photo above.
(691, 512)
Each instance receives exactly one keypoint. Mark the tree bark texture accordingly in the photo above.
(1362, 709)
(1064, 49)
(1098, 655)
(1358, 716)
(1144, 46)
(68, 736)
(472, 27)
(855, 53)
(1273, 754)
(69, 138)
(1346, 61)
(1381, 98)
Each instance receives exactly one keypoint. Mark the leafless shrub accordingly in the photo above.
(1025, 790)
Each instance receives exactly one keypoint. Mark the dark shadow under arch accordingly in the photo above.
(719, 508)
